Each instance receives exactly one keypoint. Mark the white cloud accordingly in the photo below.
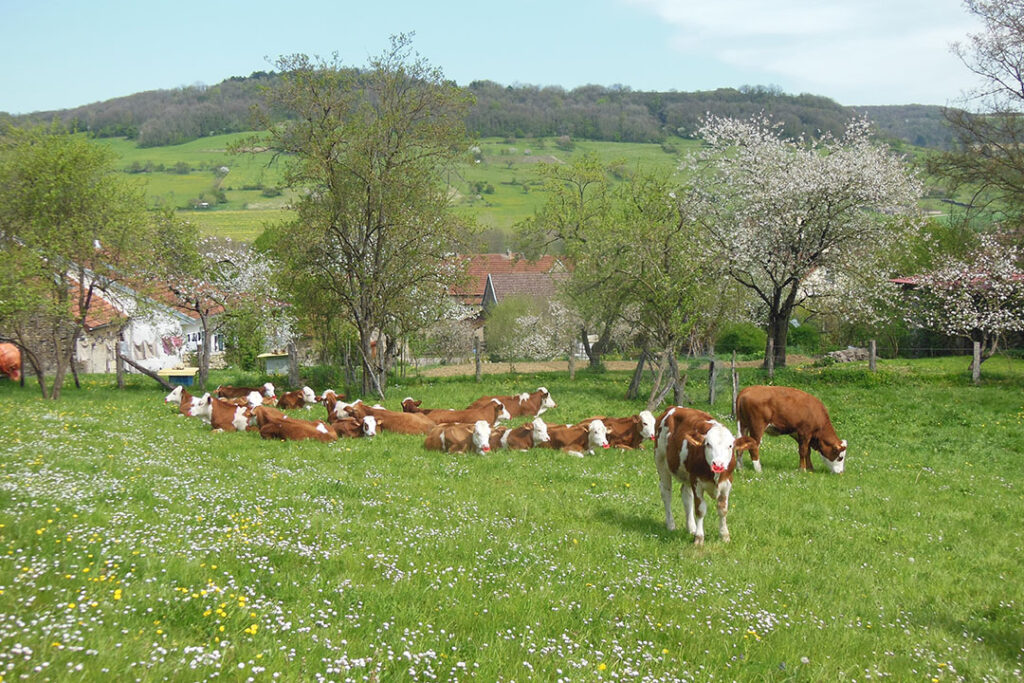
(856, 52)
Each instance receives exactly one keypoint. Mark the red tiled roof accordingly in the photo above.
(101, 312)
(482, 265)
(535, 285)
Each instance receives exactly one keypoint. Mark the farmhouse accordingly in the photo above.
(493, 277)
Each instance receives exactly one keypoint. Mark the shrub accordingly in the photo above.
(807, 338)
(742, 338)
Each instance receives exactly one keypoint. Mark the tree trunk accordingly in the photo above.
(678, 390)
(572, 362)
(203, 352)
(778, 325)
(293, 365)
(634, 384)
(657, 395)
(149, 373)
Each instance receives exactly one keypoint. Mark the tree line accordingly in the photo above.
(617, 113)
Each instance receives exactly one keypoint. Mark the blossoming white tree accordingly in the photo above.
(980, 296)
(781, 211)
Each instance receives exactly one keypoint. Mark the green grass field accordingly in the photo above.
(139, 545)
(508, 169)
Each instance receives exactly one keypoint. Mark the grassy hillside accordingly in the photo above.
(498, 192)
(140, 545)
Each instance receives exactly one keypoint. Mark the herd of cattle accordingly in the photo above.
(690, 445)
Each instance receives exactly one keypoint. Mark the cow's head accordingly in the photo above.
(834, 456)
(597, 435)
(175, 395)
(503, 413)
(203, 409)
(268, 390)
(254, 399)
(308, 395)
(646, 425)
(546, 402)
(411, 405)
(323, 397)
(369, 425)
(540, 431)
(718, 443)
(342, 409)
(482, 436)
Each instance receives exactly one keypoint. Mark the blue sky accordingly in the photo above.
(58, 54)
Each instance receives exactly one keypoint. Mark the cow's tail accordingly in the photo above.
(739, 435)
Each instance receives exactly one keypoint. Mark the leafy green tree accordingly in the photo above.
(579, 206)
(987, 161)
(71, 228)
(374, 237)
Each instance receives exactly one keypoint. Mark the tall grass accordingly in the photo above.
(140, 545)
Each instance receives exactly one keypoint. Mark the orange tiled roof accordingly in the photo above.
(482, 265)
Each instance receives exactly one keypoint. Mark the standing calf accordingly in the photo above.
(764, 410)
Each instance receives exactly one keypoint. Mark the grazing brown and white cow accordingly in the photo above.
(225, 391)
(457, 437)
(355, 426)
(492, 412)
(578, 439)
(764, 410)
(524, 404)
(523, 437)
(221, 415)
(300, 398)
(700, 452)
(387, 420)
(184, 400)
(290, 429)
(627, 432)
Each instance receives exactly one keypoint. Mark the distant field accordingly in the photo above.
(497, 193)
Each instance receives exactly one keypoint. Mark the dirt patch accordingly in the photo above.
(563, 366)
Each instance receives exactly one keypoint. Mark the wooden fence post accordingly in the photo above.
(476, 354)
(872, 355)
(293, 364)
(712, 380)
(976, 365)
(735, 383)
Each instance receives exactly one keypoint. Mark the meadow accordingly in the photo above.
(139, 545)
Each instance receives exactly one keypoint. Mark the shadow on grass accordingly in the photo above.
(648, 525)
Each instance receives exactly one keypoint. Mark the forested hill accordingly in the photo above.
(166, 117)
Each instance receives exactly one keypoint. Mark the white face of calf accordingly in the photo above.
(718, 444)
(647, 425)
(174, 396)
(482, 436)
(369, 426)
(540, 431)
(839, 464)
(341, 409)
(308, 395)
(503, 413)
(546, 402)
(203, 409)
(597, 435)
(268, 390)
(254, 399)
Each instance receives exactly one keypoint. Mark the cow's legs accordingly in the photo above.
(698, 508)
(756, 432)
(665, 484)
(805, 455)
(723, 509)
(687, 493)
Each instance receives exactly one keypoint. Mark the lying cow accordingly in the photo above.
(700, 452)
(627, 432)
(184, 400)
(300, 398)
(578, 439)
(764, 410)
(355, 427)
(492, 412)
(297, 430)
(226, 391)
(524, 404)
(221, 415)
(521, 438)
(387, 420)
(458, 437)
